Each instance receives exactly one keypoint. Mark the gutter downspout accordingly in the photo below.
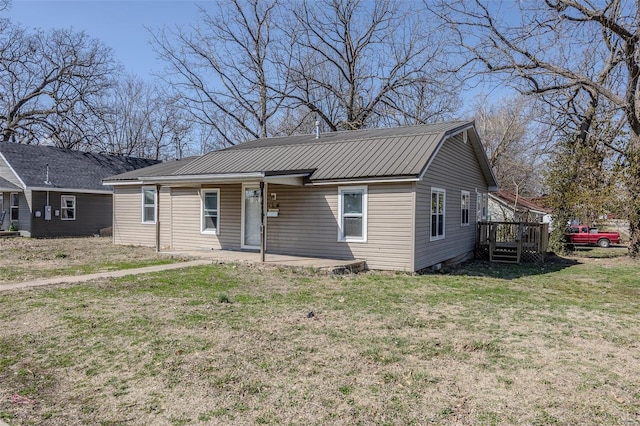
(157, 218)
(263, 220)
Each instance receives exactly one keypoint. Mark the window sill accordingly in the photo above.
(350, 240)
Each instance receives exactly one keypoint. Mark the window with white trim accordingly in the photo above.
(210, 217)
(352, 207)
(465, 203)
(482, 206)
(149, 200)
(438, 197)
(68, 207)
(15, 206)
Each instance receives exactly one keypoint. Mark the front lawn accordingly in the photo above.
(229, 344)
(25, 259)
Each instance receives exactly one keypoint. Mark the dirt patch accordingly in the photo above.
(24, 259)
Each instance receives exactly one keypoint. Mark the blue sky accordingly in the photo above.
(119, 24)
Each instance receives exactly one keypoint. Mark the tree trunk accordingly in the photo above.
(633, 186)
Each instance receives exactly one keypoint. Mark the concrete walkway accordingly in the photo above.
(204, 258)
(109, 274)
(236, 256)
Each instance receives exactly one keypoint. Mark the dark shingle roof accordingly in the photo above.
(161, 169)
(67, 168)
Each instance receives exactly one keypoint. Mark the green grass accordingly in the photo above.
(485, 344)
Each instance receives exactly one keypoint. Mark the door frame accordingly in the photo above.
(245, 186)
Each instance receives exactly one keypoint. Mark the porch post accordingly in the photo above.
(263, 219)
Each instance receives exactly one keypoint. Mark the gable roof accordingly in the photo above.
(6, 186)
(68, 169)
(160, 169)
(403, 152)
(522, 204)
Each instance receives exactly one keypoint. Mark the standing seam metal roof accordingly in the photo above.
(370, 153)
(340, 155)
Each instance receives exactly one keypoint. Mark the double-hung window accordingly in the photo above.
(68, 207)
(438, 197)
(15, 206)
(210, 212)
(465, 203)
(352, 206)
(149, 197)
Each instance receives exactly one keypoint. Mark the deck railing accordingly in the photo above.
(527, 240)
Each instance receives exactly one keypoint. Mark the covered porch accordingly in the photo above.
(512, 242)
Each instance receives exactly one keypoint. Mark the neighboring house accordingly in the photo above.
(506, 206)
(401, 198)
(49, 192)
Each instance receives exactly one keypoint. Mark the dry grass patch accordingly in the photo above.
(486, 345)
(24, 259)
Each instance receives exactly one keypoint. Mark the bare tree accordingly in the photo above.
(557, 48)
(136, 118)
(354, 62)
(252, 69)
(45, 75)
(224, 69)
(514, 143)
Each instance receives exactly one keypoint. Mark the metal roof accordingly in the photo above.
(360, 154)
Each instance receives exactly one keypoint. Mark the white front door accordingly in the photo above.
(251, 214)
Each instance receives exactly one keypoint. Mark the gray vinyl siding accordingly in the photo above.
(127, 218)
(186, 225)
(93, 212)
(24, 223)
(454, 169)
(8, 174)
(307, 225)
(5, 208)
(24, 220)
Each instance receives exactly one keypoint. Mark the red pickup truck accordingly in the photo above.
(583, 235)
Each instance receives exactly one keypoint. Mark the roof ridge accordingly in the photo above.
(316, 141)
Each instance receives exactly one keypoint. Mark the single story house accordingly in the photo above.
(505, 206)
(400, 198)
(49, 192)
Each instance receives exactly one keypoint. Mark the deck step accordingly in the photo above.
(503, 255)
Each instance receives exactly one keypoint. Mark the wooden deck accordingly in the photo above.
(512, 242)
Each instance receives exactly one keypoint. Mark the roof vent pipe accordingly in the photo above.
(317, 129)
(46, 180)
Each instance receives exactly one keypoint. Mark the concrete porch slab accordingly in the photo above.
(334, 266)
